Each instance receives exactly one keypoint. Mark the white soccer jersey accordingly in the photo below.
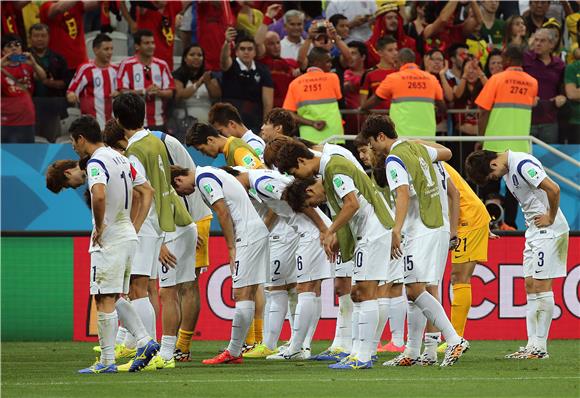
(332, 149)
(525, 173)
(106, 166)
(256, 142)
(215, 184)
(396, 176)
(442, 180)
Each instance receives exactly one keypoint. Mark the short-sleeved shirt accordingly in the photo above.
(572, 76)
(333, 149)
(525, 174)
(282, 71)
(495, 34)
(242, 156)
(314, 96)
(412, 93)
(106, 166)
(371, 80)
(243, 84)
(397, 176)
(509, 96)
(67, 33)
(215, 184)
(16, 102)
(256, 142)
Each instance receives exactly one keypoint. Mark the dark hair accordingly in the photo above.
(38, 26)
(272, 149)
(177, 171)
(231, 171)
(101, 38)
(56, 180)
(137, 36)
(360, 46)
(515, 54)
(376, 124)
(245, 39)
(385, 41)
(282, 117)
(360, 140)
(433, 51)
(9, 39)
(222, 113)
(510, 22)
(295, 193)
(113, 133)
(129, 109)
(192, 76)
(493, 53)
(88, 127)
(336, 18)
(452, 50)
(316, 55)
(199, 133)
(287, 156)
(406, 55)
(83, 162)
(477, 166)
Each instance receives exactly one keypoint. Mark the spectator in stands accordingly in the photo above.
(548, 70)
(492, 28)
(95, 84)
(294, 25)
(340, 23)
(67, 33)
(535, 17)
(352, 83)
(194, 85)
(249, 19)
(215, 18)
(245, 83)
(417, 22)
(464, 95)
(49, 93)
(11, 20)
(494, 63)
(436, 64)
(148, 76)
(558, 47)
(516, 31)
(314, 98)
(387, 50)
(359, 15)
(457, 54)
(324, 35)
(572, 81)
(16, 106)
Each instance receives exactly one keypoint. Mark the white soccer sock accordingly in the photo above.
(416, 325)
(243, 317)
(531, 319)
(147, 314)
(433, 311)
(277, 312)
(107, 327)
(343, 331)
(431, 341)
(266, 314)
(368, 322)
(355, 330)
(292, 303)
(136, 332)
(313, 323)
(121, 333)
(167, 347)
(397, 314)
(305, 311)
(545, 312)
(383, 308)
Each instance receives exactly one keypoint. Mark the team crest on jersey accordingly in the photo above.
(532, 173)
(338, 182)
(248, 161)
(207, 188)
(426, 172)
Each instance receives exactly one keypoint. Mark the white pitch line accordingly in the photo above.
(110, 380)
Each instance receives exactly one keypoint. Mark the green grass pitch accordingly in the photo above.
(49, 370)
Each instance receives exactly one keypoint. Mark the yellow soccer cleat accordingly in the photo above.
(121, 351)
(160, 363)
(125, 368)
(259, 351)
(442, 348)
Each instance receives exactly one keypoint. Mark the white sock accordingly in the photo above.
(107, 324)
(383, 308)
(343, 331)
(531, 319)
(416, 326)
(292, 303)
(276, 314)
(433, 311)
(137, 335)
(243, 317)
(167, 347)
(305, 312)
(313, 323)
(545, 312)
(368, 322)
(355, 330)
(431, 342)
(266, 314)
(121, 333)
(397, 314)
(147, 314)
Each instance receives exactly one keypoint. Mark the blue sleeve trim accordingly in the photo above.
(208, 175)
(396, 160)
(97, 161)
(521, 164)
(257, 184)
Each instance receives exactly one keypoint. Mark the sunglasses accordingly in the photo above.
(147, 70)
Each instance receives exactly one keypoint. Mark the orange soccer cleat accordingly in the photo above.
(223, 358)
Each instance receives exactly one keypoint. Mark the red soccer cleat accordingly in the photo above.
(390, 347)
(223, 358)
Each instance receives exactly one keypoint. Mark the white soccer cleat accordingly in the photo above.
(454, 352)
(426, 360)
(403, 360)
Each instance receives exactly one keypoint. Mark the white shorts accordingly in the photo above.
(546, 258)
(343, 269)
(183, 248)
(111, 268)
(147, 256)
(311, 262)
(441, 259)
(421, 256)
(252, 265)
(283, 260)
(371, 258)
(395, 270)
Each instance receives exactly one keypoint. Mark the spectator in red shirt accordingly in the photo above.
(16, 106)
(211, 28)
(67, 31)
(352, 83)
(387, 50)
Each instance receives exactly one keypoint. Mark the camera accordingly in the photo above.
(18, 58)
(320, 27)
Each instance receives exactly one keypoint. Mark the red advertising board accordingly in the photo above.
(498, 311)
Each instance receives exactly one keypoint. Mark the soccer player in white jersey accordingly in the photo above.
(419, 218)
(111, 181)
(226, 119)
(546, 248)
(246, 239)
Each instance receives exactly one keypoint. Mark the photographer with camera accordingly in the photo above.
(324, 35)
(16, 106)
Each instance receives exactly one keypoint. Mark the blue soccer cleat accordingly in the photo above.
(352, 364)
(144, 355)
(330, 355)
(99, 368)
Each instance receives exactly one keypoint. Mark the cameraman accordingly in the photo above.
(324, 35)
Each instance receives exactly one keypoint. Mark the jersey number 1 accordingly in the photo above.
(124, 177)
